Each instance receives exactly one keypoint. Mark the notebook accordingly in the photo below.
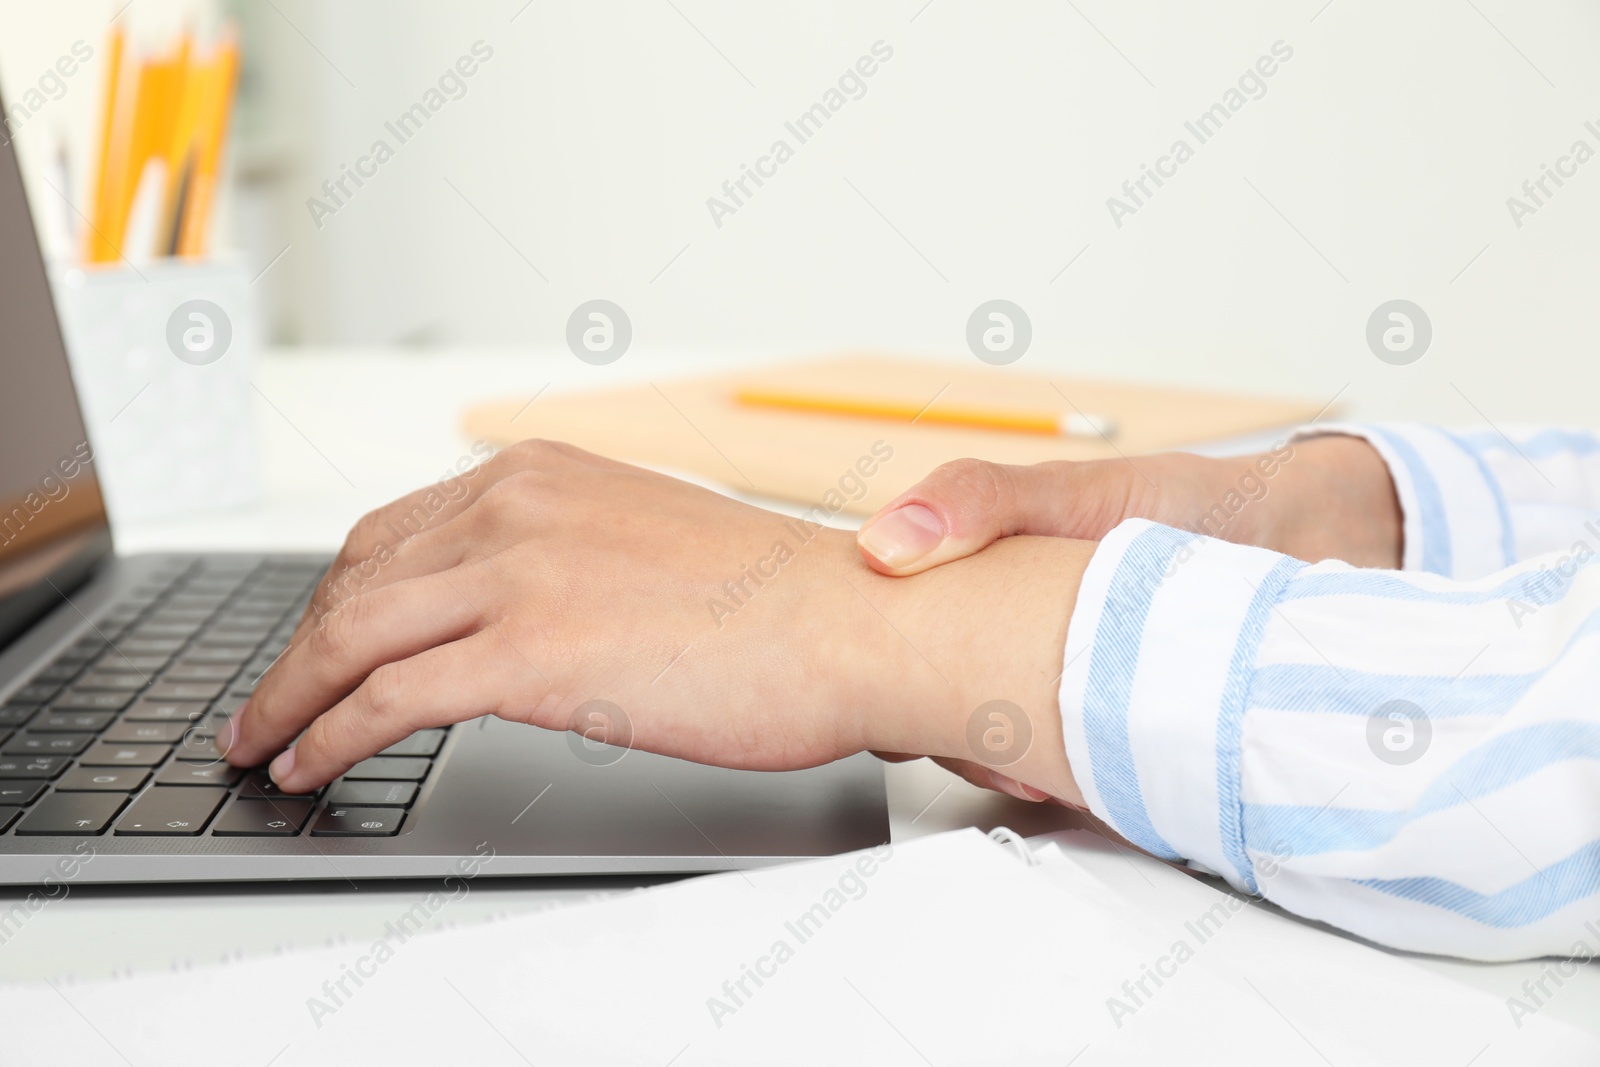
(695, 426)
(950, 949)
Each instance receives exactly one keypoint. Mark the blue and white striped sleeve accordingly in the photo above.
(1475, 502)
(1407, 756)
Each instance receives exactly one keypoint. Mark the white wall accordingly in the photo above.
(991, 140)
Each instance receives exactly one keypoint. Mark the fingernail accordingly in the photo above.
(903, 536)
(281, 767)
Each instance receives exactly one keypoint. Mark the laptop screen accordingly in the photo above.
(53, 526)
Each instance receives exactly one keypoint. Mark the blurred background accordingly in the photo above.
(1376, 162)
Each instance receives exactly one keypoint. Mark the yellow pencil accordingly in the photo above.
(97, 247)
(211, 130)
(1050, 423)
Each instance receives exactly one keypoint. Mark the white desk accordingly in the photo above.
(357, 429)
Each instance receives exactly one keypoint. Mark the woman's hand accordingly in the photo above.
(1327, 497)
(726, 634)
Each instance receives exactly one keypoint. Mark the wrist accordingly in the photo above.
(1338, 502)
(964, 661)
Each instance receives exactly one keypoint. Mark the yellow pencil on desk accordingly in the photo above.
(1015, 420)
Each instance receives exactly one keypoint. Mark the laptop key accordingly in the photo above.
(165, 711)
(150, 646)
(373, 794)
(200, 672)
(179, 612)
(20, 792)
(76, 701)
(8, 816)
(155, 733)
(72, 722)
(171, 812)
(199, 745)
(157, 630)
(280, 818)
(46, 744)
(181, 773)
(421, 743)
(77, 814)
(185, 690)
(357, 822)
(100, 780)
(260, 787)
(34, 694)
(32, 766)
(17, 714)
(116, 662)
(391, 767)
(224, 657)
(111, 681)
(108, 755)
(56, 674)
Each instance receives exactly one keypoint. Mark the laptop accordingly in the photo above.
(116, 671)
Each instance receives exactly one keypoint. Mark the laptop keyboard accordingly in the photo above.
(117, 735)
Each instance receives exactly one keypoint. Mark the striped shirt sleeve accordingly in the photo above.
(1476, 502)
(1407, 756)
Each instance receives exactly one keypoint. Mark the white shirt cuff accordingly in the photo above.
(1159, 656)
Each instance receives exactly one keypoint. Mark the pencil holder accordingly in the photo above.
(162, 357)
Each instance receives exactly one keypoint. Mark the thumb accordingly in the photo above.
(964, 506)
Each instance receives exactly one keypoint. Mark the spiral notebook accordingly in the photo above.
(952, 949)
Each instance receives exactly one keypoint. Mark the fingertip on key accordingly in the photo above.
(280, 769)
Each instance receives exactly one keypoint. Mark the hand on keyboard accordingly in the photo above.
(569, 591)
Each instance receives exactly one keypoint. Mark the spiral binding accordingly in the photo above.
(1004, 835)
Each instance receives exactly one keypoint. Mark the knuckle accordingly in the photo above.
(513, 493)
(542, 452)
(976, 485)
(384, 692)
(333, 736)
(334, 635)
(351, 552)
(361, 535)
(533, 451)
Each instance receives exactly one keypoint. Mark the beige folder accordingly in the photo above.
(694, 425)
